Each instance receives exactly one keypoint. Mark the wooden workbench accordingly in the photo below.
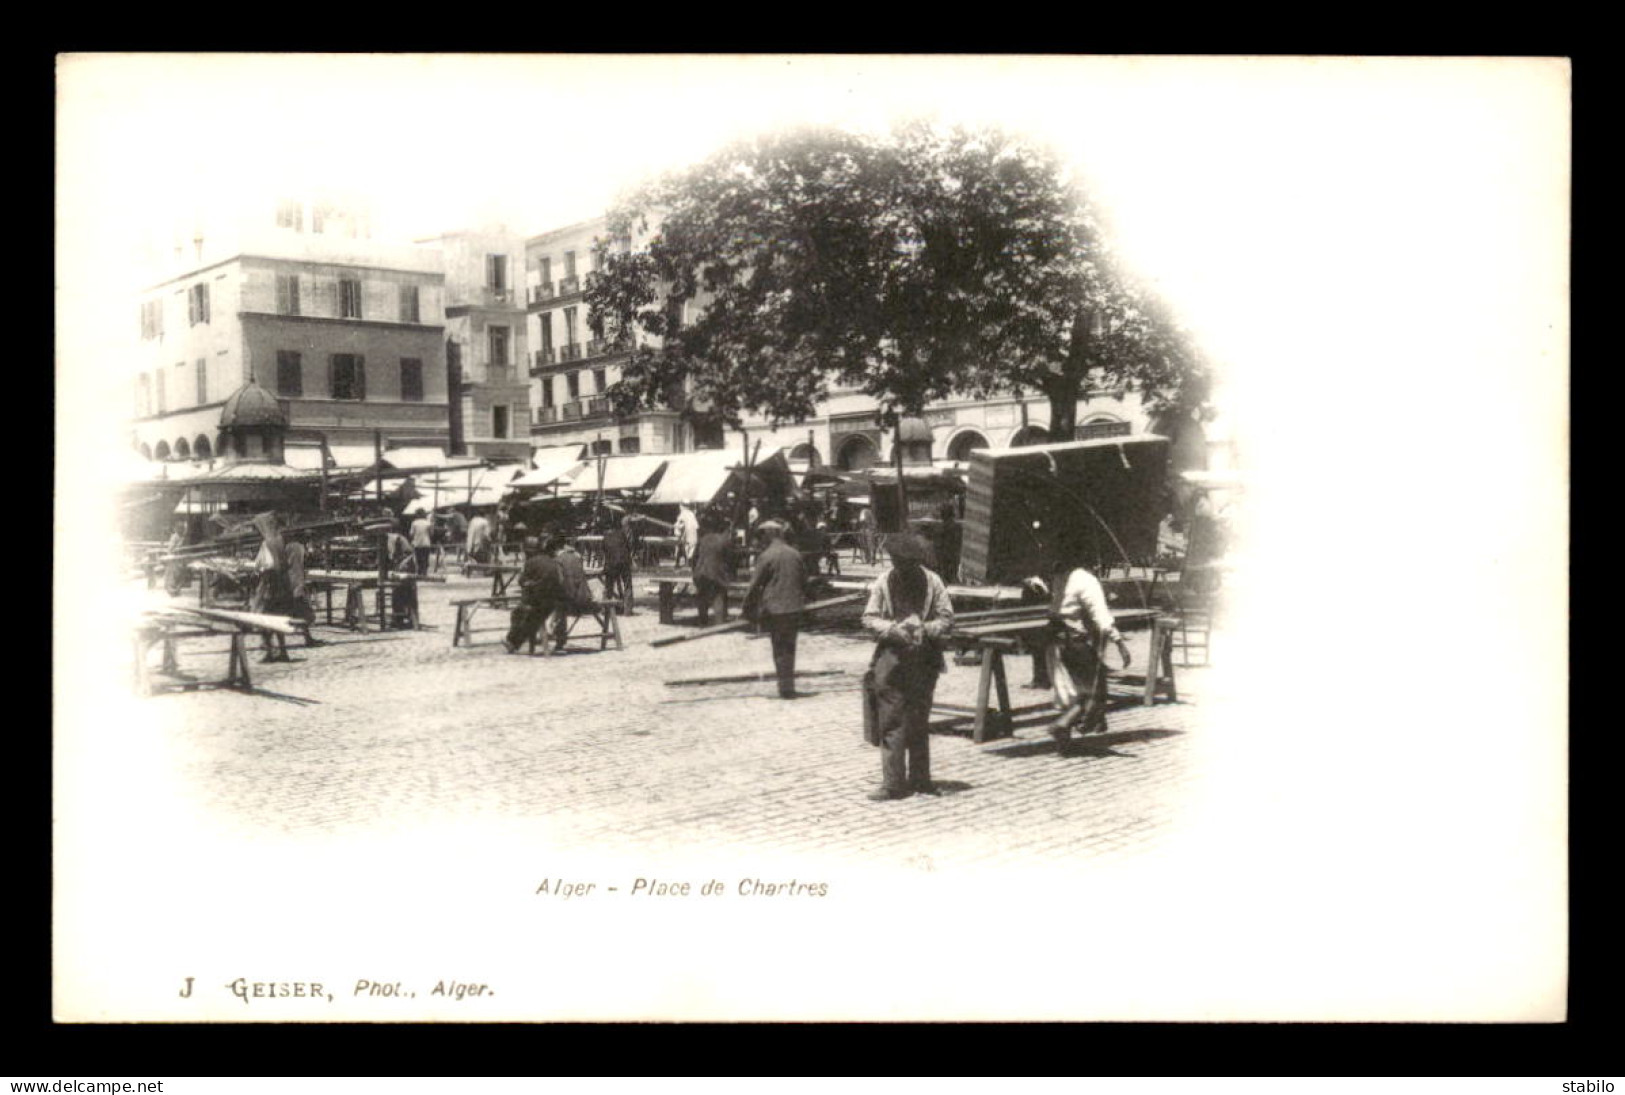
(994, 638)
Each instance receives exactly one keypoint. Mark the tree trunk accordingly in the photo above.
(1063, 407)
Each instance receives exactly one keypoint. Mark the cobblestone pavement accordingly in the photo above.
(400, 728)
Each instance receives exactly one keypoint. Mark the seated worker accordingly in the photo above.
(1082, 625)
(541, 587)
(573, 576)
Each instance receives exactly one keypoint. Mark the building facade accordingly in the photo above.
(571, 372)
(346, 332)
(486, 344)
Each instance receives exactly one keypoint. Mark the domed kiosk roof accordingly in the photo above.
(252, 405)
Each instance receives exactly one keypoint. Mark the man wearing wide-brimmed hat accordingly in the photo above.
(909, 614)
(775, 598)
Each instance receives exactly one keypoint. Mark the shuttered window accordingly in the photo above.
(202, 381)
(347, 377)
(197, 304)
(349, 298)
(411, 380)
(287, 294)
(290, 373)
(409, 304)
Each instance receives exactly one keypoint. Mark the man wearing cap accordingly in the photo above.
(909, 613)
(713, 569)
(774, 600)
(542, 588)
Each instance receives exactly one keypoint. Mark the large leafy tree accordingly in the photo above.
(928, 263)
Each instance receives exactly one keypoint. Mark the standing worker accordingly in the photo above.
(175, 569)
(774, 601)
(618, 564)
(478, 544)
(541, 585)
(422, 535)
(688, 535)
(1083, 624)
(909, 613)
(713, 569)
(272, 594)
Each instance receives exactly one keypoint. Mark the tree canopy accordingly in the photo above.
(913, 267)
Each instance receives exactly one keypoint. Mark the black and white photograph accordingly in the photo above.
(762, 538)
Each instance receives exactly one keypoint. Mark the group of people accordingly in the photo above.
(552, 585)
(909, 613)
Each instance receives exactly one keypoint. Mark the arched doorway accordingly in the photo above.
(183, 450)
(161, 451)
(959, 448)
(146, 452)
(856, 454)
(201, 449)
(1029, 435)
(1102, 425)
(806, 452)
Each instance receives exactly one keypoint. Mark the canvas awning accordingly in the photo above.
(303, 457)
(420, 456)
(694, 478)
(557, 465)
(352, 456)
(620, 473)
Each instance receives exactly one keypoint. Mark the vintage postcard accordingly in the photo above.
(774, 538)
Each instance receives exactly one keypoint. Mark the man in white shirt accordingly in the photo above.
(688, 534)
(479, 539)
(1077, 667)
(423, 540)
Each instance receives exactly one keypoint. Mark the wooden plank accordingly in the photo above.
(252, 621)
(737, 625)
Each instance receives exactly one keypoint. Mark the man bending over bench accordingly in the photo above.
(541, 585)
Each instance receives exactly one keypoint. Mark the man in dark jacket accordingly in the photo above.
(542, 588)
(618, 564)
(774, 600)
(713, 570)
(576, 593)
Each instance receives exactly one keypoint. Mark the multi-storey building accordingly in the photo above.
(345, 331)
(572, 371)
(486, 340)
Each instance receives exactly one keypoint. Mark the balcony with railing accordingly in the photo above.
(598, 406)
(539, 359)
(570, 351)
(569, 285)
(541, 293)
(571, 412)
(546, 415)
